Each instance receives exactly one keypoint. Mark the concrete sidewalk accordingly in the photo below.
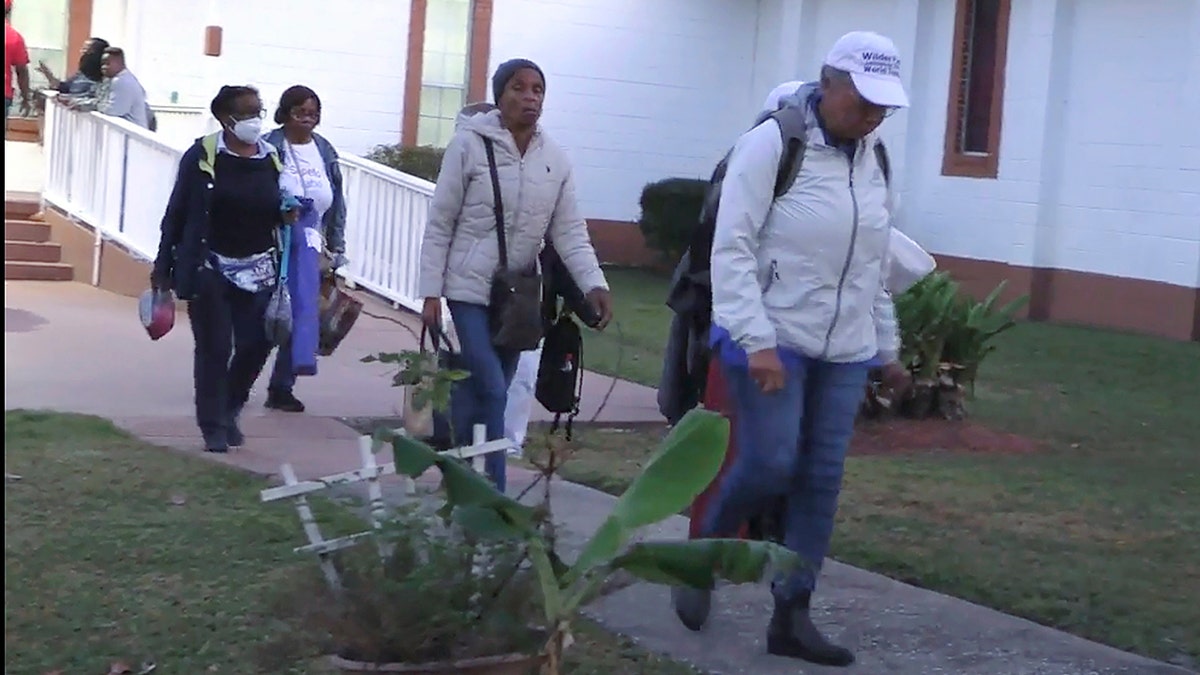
(69, 347)
(74, 348)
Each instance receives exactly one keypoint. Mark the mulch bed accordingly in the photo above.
(903, 436)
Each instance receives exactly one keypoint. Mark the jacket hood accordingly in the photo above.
(488, 125)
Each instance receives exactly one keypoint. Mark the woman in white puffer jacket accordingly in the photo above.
(460, 252)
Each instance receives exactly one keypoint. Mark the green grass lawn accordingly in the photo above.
(632, 345)
(116, 550)
(1098, 535)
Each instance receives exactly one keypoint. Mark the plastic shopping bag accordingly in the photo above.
(156, 309)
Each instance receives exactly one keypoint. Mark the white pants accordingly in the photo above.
(521, 398)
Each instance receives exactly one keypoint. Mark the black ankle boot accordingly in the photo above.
(793, 634)
(284, 401)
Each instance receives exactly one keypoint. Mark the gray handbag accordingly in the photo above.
(279, 309)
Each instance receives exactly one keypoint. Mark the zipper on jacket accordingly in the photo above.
(520, 191)
(772, 276)
(837, 309)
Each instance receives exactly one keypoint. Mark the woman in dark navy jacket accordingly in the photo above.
(218, 251)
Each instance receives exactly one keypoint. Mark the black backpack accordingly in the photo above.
(560, 372)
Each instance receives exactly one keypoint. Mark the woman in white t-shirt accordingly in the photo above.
(310, 169)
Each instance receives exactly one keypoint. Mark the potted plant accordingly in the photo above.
(473, 585)
(429, 599)
(686, 462)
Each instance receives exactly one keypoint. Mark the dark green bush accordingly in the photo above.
(670, 211)
(424, 161)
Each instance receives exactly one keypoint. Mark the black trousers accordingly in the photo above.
(229, 328)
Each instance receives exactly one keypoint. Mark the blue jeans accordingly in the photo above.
(792, 444)
(481, 398)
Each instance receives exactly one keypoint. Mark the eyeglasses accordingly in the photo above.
(241, 118)
(301, 116)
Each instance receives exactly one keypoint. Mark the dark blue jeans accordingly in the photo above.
(228, 325)
(481, 398)
(791, 443)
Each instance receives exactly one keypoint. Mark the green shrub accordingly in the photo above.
(670, 211)
(944, 337)
(423, 162)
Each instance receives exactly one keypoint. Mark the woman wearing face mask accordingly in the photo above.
(310, 169)
(460, 254)
(85, 79)
(218, 252)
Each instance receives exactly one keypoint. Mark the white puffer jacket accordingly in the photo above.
(805, 271)
(460, 253)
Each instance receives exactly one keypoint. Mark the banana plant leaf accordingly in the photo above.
(700, 562)
(482, 506)
(684, 465)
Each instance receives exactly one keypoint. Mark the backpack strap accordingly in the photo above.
(793, 128)
(208, 161)
(885, 166)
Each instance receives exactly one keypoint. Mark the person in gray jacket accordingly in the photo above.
(460, 251)
(800, 309)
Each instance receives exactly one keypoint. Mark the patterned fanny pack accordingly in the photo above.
(254, 274)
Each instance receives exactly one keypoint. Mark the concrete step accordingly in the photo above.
(26, 230)
(38, 271)
(20, 209)
(32, 251)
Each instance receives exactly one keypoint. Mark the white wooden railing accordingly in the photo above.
(117, 177)
(385, 222)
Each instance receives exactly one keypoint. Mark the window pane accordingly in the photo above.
(979, 73)
(455, 69)
(430, 101)
(427, 131)
(433, 68)
(452, 101)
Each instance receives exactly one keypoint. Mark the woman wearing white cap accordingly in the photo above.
(800, 310)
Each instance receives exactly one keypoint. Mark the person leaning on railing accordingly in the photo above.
(460, 254)
(85, 79)
(310, 169)
(218, 252)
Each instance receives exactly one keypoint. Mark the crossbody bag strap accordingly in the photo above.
(497, 201)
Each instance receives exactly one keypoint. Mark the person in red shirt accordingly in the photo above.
(16, 58)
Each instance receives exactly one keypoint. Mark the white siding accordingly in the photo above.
(1099, 168)
(637, 90)
(1129, 202)
(355, 60)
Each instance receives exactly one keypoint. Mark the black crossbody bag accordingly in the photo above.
(515, 308)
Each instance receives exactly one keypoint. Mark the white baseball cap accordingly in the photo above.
(873, 64)
(777, 94)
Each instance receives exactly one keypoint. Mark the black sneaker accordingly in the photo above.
(284, 401)
(216, 441)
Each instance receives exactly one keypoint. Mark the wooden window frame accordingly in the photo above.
(478, 54)
(954, 161)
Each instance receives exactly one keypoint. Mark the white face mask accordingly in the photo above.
(247, 131)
